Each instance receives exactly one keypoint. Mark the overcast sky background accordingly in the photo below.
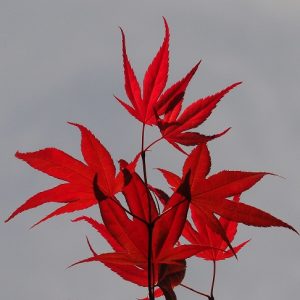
(61, 61)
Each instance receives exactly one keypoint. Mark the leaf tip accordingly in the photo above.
(167, 30)
(165, 21)
(34, 225)
(198, 64)
(76, 219)
(90, 246)
(8, 219)
(72, 123)
(293, 229)
(13, 214)
(122, 34)
(19, 154)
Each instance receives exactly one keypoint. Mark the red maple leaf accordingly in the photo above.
(76, 193)
(154, 82)
(145, 241)
(174, 126)
(203, 235)
(129, 237)
(155, 102)
(209, 195)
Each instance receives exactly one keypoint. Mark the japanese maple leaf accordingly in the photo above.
(203, 235)
(129, 237)
(209, 194)
(154, 102)
(76, 193)
(175, 127)
(154, 82)
(169, 275)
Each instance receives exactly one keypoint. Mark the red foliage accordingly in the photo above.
(144, 235)
(204, 235)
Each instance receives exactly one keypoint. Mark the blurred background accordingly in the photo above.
(61, 61)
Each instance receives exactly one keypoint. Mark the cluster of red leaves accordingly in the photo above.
(143, 234)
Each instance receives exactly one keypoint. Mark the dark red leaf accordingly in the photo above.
(137, 197)
(129, 234)
(168, 228)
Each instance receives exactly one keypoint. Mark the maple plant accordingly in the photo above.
(152, 233)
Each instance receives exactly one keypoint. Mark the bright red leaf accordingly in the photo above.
(155, 80)
(203, 235)
(209, 194)
(143, 234)
(129, 237)
(174, 126)
(148, 108)
(77, 191)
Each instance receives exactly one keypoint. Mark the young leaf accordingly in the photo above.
(174, 127)
(154, 82)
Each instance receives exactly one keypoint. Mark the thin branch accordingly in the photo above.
(153, 143)
(194, 291)
(150, 225)
(213, 281)
(168, 210)
(156, 202)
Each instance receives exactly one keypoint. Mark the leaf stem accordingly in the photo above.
(213, 281)
(153, 143)
(129, 212)
(194, 291)
(169, 209)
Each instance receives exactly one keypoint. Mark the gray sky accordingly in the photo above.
(61, 61)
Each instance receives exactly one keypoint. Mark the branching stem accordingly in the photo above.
(150, 224)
